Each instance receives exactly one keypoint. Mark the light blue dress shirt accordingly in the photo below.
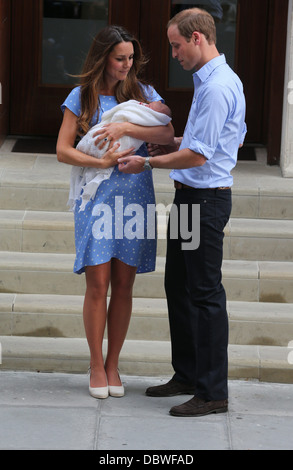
(215, 127)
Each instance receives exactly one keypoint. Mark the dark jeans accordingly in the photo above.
(196, 297)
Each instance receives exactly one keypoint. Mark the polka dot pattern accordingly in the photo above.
(120, 221)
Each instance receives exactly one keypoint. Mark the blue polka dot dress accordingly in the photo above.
(120, 221)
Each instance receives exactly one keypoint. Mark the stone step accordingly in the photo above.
(51, 273)
(41, 183)
(147, 358)
(32, 182)
(260, 323)
(259, 239)
(53, 232)
(53, 197)
(36, 231)
(61, 316)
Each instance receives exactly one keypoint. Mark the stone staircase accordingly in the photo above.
(41, 299)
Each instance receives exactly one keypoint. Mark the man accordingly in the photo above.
(201, 171)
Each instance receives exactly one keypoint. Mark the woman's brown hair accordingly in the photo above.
(92, 76)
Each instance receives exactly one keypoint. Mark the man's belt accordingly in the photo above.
(178, 185)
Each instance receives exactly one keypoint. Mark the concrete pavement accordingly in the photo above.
(41, 411)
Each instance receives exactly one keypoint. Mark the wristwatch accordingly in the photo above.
(147, 165)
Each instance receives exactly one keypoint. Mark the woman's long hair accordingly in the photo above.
(92, 77)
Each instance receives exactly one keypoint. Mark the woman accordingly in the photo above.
(109, 77)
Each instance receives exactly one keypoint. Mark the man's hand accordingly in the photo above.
(132, 164)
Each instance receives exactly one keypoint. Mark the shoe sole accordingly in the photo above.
(116, 395)
(195, 415)
(150, 394)
(98, 396)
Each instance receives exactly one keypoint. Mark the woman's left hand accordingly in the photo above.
(112, 155)
(110, 133)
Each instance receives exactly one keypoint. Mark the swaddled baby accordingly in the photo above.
(85, 181)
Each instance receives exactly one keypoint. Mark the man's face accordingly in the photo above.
(185, 52)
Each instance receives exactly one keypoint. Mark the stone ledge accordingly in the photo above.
(263, 363)
(34, 315)
(51, 273)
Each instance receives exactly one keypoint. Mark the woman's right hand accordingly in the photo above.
(111, 157)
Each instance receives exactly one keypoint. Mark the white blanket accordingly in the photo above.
(87, 180)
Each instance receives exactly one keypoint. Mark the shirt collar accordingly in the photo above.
(204, 72)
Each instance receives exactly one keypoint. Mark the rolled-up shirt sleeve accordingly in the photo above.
(208, 116)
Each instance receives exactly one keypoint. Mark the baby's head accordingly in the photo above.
(160, 107)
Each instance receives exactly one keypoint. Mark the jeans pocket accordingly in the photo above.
(223, 212)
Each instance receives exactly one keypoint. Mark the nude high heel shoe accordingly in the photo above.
(98, 392)
(116, 390)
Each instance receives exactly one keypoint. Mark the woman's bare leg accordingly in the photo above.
(119, 313)
(94, 315)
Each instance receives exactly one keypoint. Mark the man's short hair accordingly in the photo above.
(195, 19)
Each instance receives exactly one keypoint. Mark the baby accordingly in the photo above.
(85, 181)
(159, 107)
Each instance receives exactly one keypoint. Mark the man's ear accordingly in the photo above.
(196, 37)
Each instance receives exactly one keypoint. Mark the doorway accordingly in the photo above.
(49, 40)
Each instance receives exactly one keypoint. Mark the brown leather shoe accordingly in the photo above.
(197, 407)
(170, 389)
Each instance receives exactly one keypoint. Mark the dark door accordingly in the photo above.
(50, 40)
(4, 68)
(260, 62)
(253, 35)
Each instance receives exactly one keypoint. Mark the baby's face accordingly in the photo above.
(155, 105)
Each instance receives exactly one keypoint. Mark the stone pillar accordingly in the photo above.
(286, 161)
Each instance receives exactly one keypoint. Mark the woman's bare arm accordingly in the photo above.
(66, 153)
(163, 135)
